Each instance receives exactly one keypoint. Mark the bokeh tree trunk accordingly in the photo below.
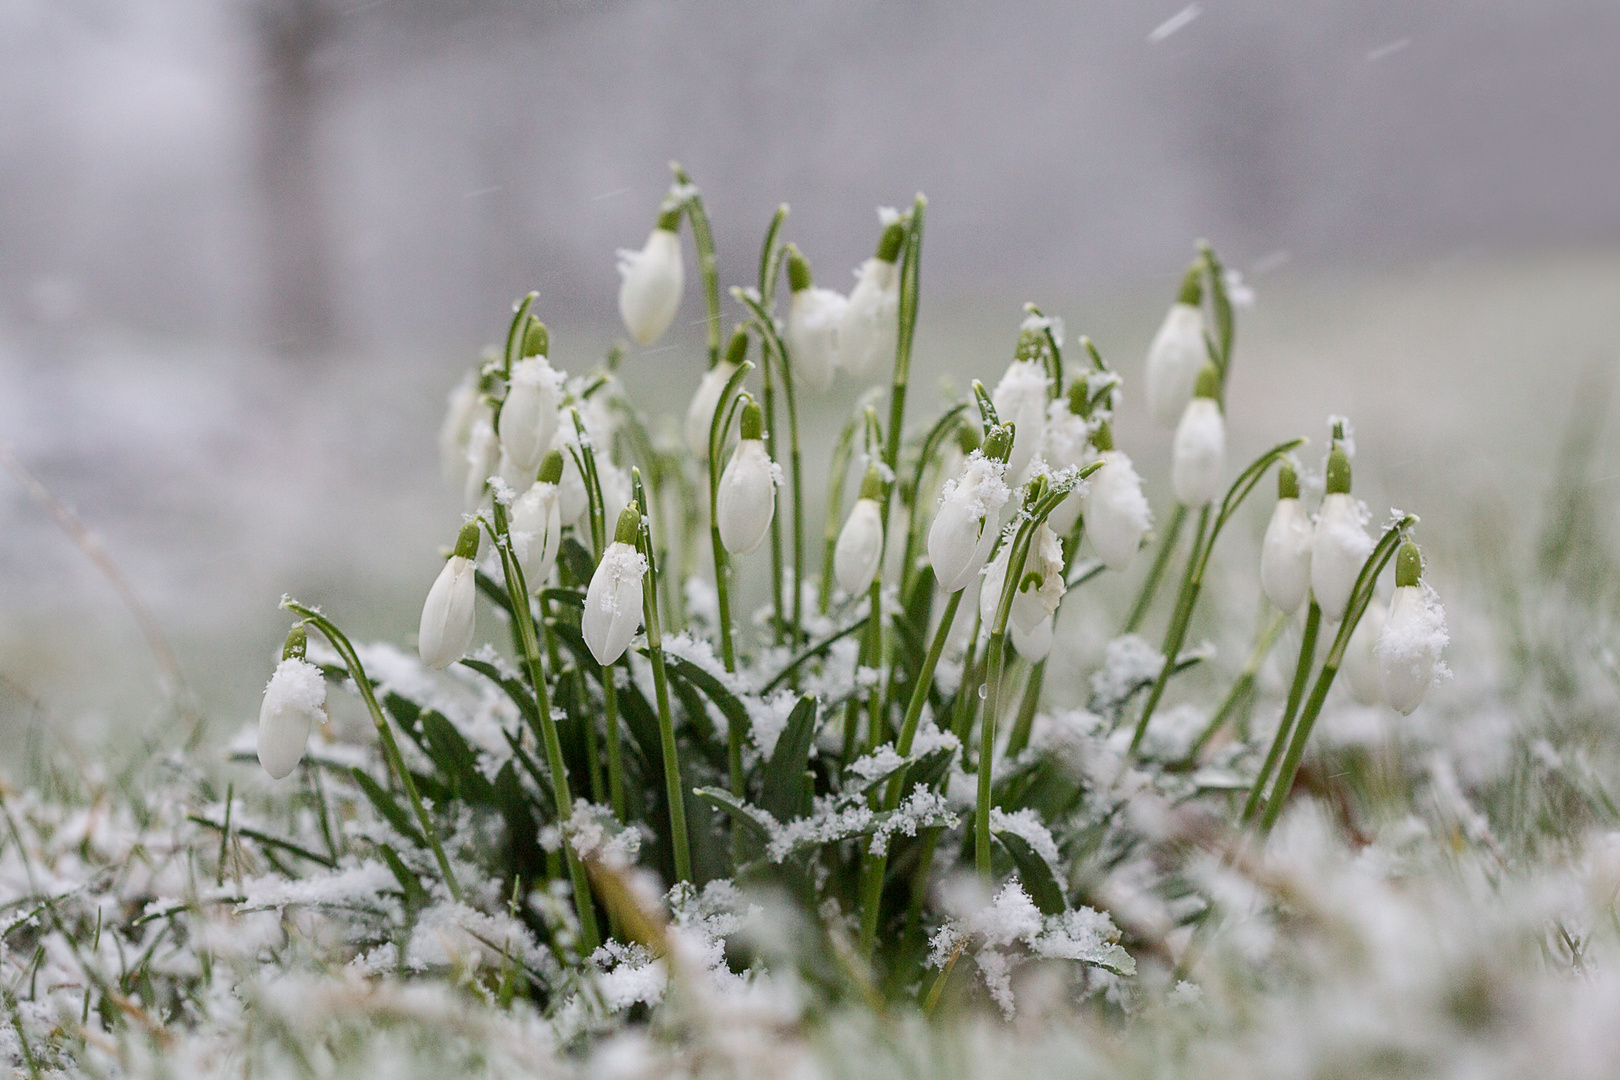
(300, 309)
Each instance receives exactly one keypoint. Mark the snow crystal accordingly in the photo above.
(1035, 323)
(502, 491)
(767, 719)
(878, 764)
(297, 684)
(1026, 825)
(361, 884)
(1129, 664)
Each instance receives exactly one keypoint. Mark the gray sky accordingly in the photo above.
(467, 151)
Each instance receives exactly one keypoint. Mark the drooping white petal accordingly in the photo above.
(814, 317)
(747, 497)
(650, 291)
(1174, 360)
(1360, 664)
(964, 526)
(871, 326)
(700, 413)
(991, 583)
(483, 459)
(613, 602)
(537, 532)
(1117, 513)
(1035, 645)
(293, 701)
(466, 407)
(529, 415)
(1339, 546)
(860, 546)
(446, 629)
(1285, 556)
(1021, 398)
(1409, 647)
(1198, 454)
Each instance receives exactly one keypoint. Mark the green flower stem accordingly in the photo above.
(1197, 563)
(560, 794)
(585, 459)
(385, 734)
(674, 789)
(615, 750)
(769, 401)
(1296, 694)
(872, 639)
(708, 262)
(722, 561)
(1241, 686)
(873, 870)
(1360, 597)
(1044, 503)
(966, 703)
(1161, 563)
(514, 335)
(1176, 632)
(774, 345)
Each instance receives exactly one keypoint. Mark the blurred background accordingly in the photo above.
(247, 246)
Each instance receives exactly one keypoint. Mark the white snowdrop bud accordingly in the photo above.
(1021, 398)
(1414, 635)
(613, 602)
(1035, 645)
(871, 324)
(516, 480)
(747, 488)
(964, 527)
(294, 701)
(1360, 664)
(700, 414)
(1040, 586)
(573, 499)
(1340, 544)
(653, 277)
(466, 407)
(529, 415)
(483, 461)
(1117, 513)
(1178, 354)
(1285, 554)
(447, 617)
(860, 543)
(537, 524)
(814, 316)
(1198, 453)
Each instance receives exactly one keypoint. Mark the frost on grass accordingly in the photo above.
(1129, 665)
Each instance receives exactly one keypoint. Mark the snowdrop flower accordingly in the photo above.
(964, 528)
(700, 414)
(1035, 645)
(483, 461)
(860, 544)
(537, 524)
(814, 316)
(1021, 398)
(1117, 513)
(447, 617)
(653, 277)
(293, 701)
(1040, 588)
(613, 601)
(1198, 454)
(1178, 353)
(529, 414)
(871, 324)
(1341, 543)
(1413, 636)
(466, 407)
(747, 488)
(1360, 663)
(1285, 554)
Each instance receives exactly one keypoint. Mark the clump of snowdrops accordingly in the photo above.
(604, 812)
